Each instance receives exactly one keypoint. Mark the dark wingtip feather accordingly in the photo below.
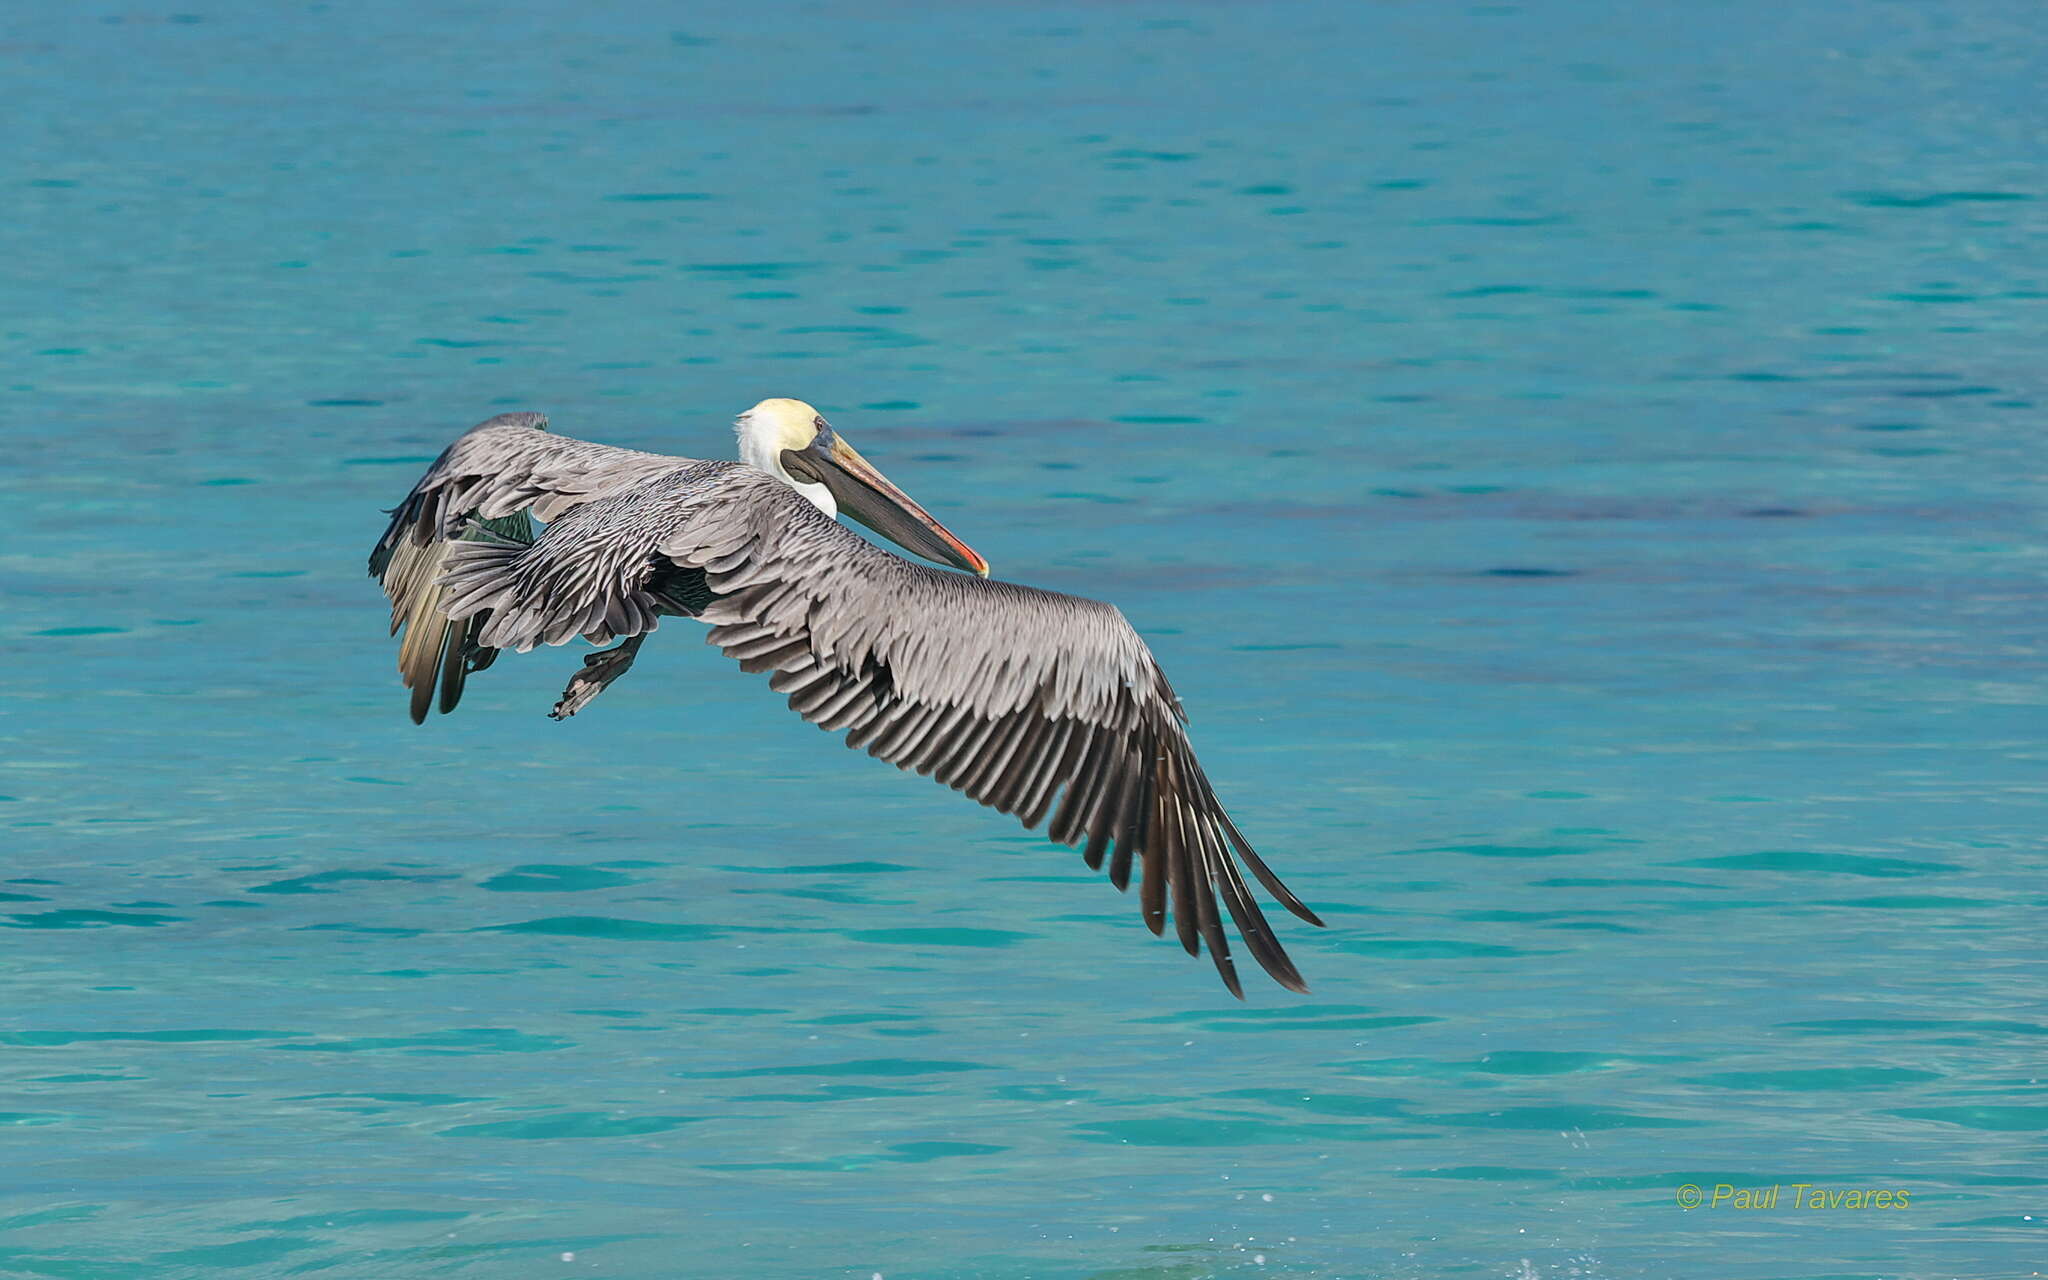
(453, 672)
(1170, 823)
(1227, 971)
(1280, 892)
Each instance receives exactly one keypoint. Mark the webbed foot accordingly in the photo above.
(599, 670)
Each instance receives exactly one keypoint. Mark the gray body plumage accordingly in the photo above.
(1035, 703)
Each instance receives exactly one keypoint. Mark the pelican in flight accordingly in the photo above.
(1031, 702)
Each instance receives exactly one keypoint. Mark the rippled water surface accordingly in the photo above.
(1580, 465)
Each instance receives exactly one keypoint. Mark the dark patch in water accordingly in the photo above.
(611, 928)
(1933, 393)
(1929, 200)
(315, 883)
(87, 919)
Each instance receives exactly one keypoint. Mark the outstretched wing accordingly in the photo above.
(493, 476)
(1040, 705)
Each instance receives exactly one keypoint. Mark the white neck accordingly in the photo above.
(765, 454)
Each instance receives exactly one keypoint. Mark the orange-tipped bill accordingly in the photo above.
(866, 494)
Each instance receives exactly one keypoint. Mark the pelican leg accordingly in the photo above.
(599, 670)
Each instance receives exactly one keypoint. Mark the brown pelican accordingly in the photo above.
(1029, 701)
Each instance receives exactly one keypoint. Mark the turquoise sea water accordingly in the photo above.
(1580, 467)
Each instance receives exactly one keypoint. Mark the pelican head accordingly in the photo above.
(791, 440)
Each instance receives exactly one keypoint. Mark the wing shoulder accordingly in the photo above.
(505, 466)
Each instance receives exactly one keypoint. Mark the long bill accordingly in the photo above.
(867, 495)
